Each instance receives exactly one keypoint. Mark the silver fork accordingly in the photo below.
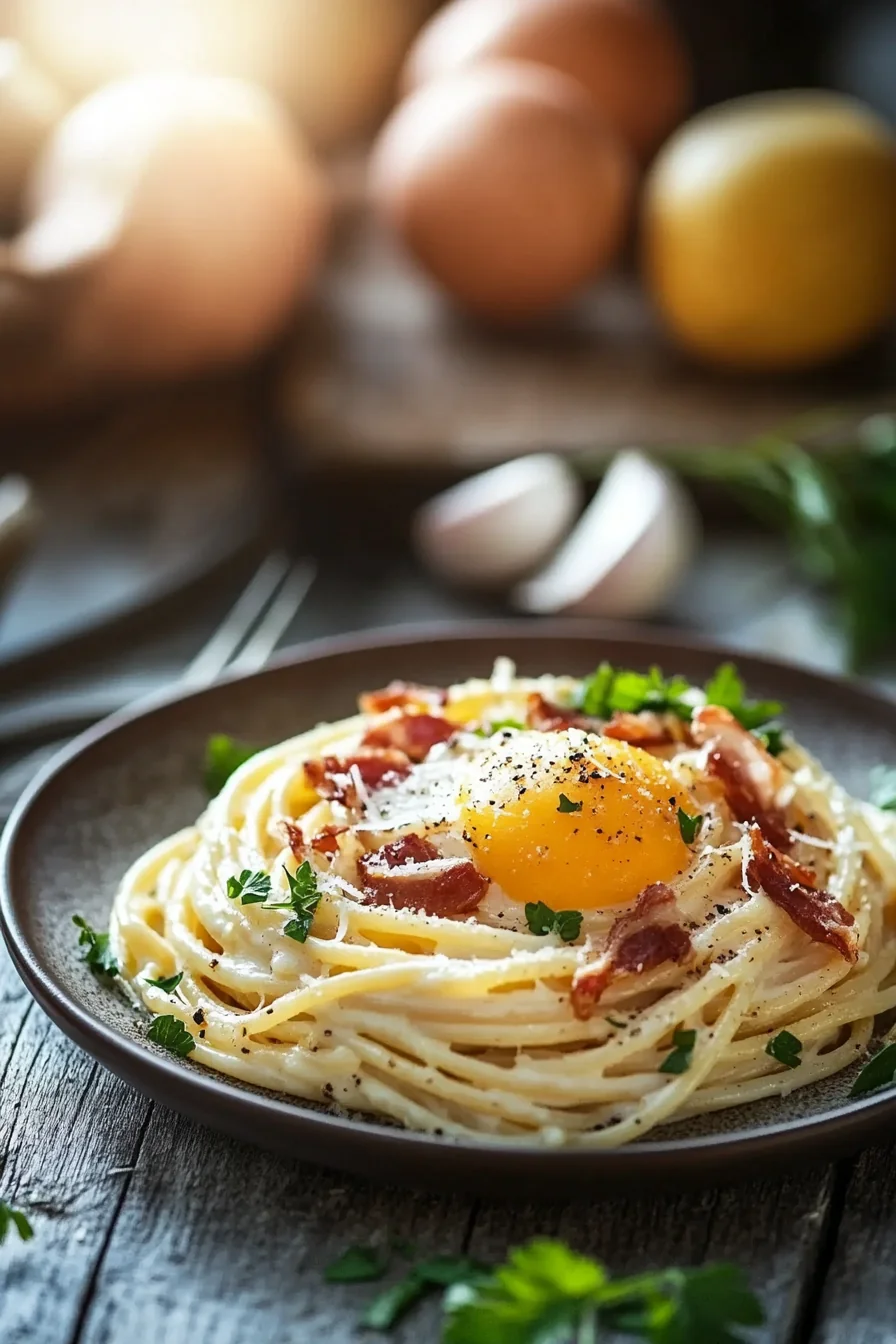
(242, 643)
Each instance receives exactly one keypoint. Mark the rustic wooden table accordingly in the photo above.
(149, 1227)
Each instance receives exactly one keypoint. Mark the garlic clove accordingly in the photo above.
(628, 551)
(495, 527)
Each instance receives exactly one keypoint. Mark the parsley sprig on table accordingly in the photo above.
(98, 954)
(545, 1291)
(14, 1220)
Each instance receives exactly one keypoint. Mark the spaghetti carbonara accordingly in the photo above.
(525, 909)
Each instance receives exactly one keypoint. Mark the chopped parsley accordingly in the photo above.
(358, 1264)
(170, 1032)
(498, 726)
(679, 1060)
(689, 826)
(880, 1071)
(13, 1219)
(567, 805)
(223, 755)
(773, 738)
(883, 787)
(542, 920)
(785, 1048)
(610, 689)
(168, 985)
(726, 689)
(251, 888)
(546, 1293)
(304, 899)
(98, 956)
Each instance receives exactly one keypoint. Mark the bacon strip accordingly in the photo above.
(414, 734)
(645, 729)
(792, 888)
(399, 694)
(331, 776)
(639, 940)
(410, 874)
(547, 717)
(324, 842)
(749, 776)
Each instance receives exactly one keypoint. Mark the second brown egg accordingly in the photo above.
(506, 185)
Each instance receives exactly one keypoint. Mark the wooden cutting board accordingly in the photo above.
(382, 373)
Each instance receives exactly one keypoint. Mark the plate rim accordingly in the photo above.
(197, 1091)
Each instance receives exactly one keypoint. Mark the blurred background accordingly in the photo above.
(533, 306)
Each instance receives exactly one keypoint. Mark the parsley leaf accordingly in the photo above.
(883, 787)
(542, 920)
(691, 1306)
(773, 738)
(679, 1061)
(99, 956)
(880, 1071)
(497, 726)
(785, 1048)
(443, 1271)
(567, 805)
(610, 689)
(223, 755)
(13, 1218)
(726, 689)
(689, 826)
(170, 1032)
(358, 1264)
(304, 899)
(169, 985)
(251, 888)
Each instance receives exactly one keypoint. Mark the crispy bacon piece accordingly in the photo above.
(410, 874)
(323, 842)
(326, 841)
(331, 776)
(792, 888)
(414, 734)
(639, 940)
(749, 776)
(547, 717)
(644, 729)
(399, 694)
(294, 837)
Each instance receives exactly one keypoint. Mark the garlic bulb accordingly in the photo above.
(173, 222)
(495, 527)
(628, 551)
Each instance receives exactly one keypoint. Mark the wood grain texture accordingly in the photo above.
(857, 1305)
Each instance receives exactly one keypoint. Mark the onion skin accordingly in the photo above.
(174, 223)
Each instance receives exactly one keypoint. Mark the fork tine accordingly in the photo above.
(217, 652)
(270, 630)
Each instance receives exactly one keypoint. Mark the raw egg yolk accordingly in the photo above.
(575, 820)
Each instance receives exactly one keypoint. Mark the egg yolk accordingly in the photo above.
(577, 821)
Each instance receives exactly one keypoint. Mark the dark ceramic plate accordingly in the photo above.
(124, 785)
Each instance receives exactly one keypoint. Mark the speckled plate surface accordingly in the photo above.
(129, 782)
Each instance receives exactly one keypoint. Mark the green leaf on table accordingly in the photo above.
(14, 1220)
(883, 787)
(442, 1271)
(679, 1060)
(98, 954)
(223, 756)
(170, 1032)
(167, 985)
(358, 1264)
(880, 1071)
(542, 920)
(786, 1049)
(250, 888)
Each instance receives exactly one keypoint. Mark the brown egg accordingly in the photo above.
(506, 185)
(626, 53)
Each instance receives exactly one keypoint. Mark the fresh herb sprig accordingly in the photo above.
(223, 756)
(98, 954)
(542, 920)
(610, 689)
(249, 888)
(830, 489)
(304, 899)
(880, 1071)
(545, 1291)
(786, 1049)
(168, 1031)
(169, 984)
(14, 1220)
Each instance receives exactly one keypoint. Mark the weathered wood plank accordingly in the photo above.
(857, 1305)
(231, 1243)
(773, 1229)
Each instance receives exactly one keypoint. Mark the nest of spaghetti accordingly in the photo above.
(488, 910)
